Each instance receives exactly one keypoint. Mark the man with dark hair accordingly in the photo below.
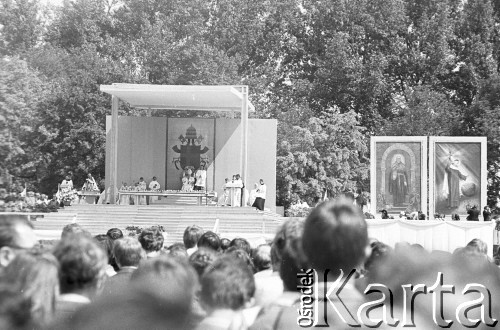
(335, 242)
(83, 269)
(128, 254)
(114, 234)
(151, 240)
(224, 244)
(74, 229)
(202, 259)
(16, 233)
(241, 243)
(191, 236)
(227, 287)
(177, 250)
(209, 240)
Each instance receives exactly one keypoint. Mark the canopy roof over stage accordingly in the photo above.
(179, 97)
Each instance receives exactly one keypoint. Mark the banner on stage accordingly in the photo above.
(190, 144)
(457, 169)
(398, 173)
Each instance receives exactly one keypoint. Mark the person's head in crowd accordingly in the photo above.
(385, 215)
(201, 259)
(240, 254)
(290, 232)
(36, 276)
(478, 245)
(224, 244)
(15, 309)
(241, 243)
(82, 265)
(287, 255)
(171, 278)
(128, 252)
(138, 307)
(68, 177)
(227, 284)
(105, 243)
(151, 240)
(114, 234)
(74, 229)
(455, 217)
(209, 240)
(177, 250)
(16, 234)
(261, 257)
(191, 236)
(335, 237)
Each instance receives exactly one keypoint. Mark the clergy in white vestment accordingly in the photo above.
(224, 199)
(260, 199)
(142, 186)
(124, 197)
(236, 200)
(253, 194)
(66, 184)
(201, 179)
(154, 185)
(90, 184)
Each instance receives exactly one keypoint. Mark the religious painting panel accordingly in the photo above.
(457, 174)
(398, 174)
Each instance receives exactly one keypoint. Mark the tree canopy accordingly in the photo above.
(332, 72)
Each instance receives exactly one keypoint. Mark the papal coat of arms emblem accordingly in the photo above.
(191, 153)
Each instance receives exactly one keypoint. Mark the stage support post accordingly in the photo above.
(244, 137)
(114, 150)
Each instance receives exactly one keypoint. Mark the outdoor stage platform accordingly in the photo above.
(229, 222)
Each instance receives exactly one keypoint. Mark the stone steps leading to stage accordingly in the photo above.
(174, 218)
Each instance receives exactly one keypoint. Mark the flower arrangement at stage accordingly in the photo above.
(300, 210)
(69, 196)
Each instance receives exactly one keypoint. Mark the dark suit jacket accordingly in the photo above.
(473, 215)
(115, 283)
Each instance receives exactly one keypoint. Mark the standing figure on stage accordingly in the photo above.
(253, 194)
(124, 198)
(454, 172)
(260, 199)
(187, 180)
(154, 185)
(237, 191)
(224, 199)
(90, 184)
(66, 184)
(142, 186)
(201, 179)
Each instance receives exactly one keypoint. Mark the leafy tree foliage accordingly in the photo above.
(332, 72)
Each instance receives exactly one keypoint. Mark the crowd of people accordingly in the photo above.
(30, 201)
(112, 281)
